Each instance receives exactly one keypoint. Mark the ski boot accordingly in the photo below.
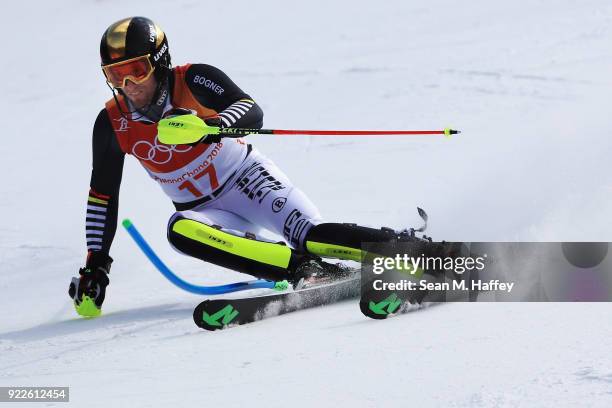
(313, 271)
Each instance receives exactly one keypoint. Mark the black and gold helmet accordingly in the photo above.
(135, 37)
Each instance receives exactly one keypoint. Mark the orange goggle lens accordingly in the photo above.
(137, 70)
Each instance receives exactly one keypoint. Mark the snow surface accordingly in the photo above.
(528, 83)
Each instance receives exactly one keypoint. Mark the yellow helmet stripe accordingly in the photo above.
(159, 34)
(115, 38)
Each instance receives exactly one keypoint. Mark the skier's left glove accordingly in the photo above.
(216, 122)
(89, 289)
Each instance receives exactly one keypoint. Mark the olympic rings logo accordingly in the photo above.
(157, 153)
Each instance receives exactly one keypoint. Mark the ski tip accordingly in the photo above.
(422, 214)
(126, 223)
(217, 320)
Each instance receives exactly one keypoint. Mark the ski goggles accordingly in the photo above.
(137, 70)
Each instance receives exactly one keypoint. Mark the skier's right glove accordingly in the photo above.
(89, 289)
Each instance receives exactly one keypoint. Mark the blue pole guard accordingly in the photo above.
(189, 287)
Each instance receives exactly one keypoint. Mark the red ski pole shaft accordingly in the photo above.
(230, 131)
(358, 132)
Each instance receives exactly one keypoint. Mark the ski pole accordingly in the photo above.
(232, 131)
(185, 129)
(189, 287)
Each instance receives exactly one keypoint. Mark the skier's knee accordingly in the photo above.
(297, 225)
(210, 243)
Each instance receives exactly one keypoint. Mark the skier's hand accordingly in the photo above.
(91, 284)
(216, 122)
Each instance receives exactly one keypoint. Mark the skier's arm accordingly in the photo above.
(103, 200)
(214, 89)
(89, 289)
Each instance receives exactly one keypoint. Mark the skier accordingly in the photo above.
(224, 190)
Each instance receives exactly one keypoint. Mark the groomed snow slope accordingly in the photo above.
(527, 82)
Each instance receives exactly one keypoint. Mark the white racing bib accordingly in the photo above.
(201, 175)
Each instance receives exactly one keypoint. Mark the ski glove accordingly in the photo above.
(90, 286)
(214, 121)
